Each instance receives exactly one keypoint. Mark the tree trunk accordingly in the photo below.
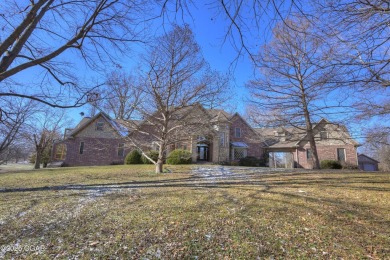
(309, 126)
(313, 147)
(312, 142)
(159, 166)
(38, 160)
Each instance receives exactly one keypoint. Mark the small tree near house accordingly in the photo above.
(45, 128)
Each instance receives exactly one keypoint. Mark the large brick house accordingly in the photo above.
(101, 140)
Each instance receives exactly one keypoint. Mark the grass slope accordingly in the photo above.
(130, 212)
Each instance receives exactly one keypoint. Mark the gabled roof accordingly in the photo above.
(293, 135)
(219, 115)
(239, 116)
(115, 124)
(363, 155)
(323, 120)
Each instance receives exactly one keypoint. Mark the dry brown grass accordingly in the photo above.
(129, 212)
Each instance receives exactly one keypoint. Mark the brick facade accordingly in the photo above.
(247, 136)
(100, 145)
(328, 152)
(328, 137)
(101, 142)
(97, 151)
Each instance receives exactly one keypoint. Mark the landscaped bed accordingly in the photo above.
(193, 212)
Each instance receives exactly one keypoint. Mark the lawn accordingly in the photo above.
(194, 213)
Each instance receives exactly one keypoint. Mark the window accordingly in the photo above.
(81, 150)
(309, 153)
(237, 132)
(99, 126)
(60, 152)
(323, 135)
(239, 153)
(341, 154)
(121, 149)
(222, 139)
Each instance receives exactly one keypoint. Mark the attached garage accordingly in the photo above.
(366, 163)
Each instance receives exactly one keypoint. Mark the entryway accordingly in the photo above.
(203, 152)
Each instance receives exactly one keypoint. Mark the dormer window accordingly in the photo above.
(99, 125)
(324, 135)
(237, 132)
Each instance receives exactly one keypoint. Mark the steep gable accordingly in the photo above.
(246, 131)
(327, 133)
(99, 126)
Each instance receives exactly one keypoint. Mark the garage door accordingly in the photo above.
(369, 167)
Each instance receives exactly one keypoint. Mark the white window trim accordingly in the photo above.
(345, 154)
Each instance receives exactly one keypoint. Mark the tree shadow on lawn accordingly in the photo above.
(254, 186)
(252, 179)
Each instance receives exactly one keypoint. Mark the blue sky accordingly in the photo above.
(209, 29)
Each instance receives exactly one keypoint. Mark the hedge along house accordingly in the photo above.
(212, 135)
(290, 148)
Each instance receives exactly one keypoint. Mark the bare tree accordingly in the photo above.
(363, 26)
(50, 38)
(44, 129)
(175, 81)
(121, 95)
(295, 76)
(378, 144)
(14, 113)
(361, 31)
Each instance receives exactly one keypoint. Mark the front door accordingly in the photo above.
(203, 153)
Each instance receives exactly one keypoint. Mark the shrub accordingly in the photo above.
(222, 163)
(32, 158)
(151, 154)
(348, 166)
(234, 163)
(179, 157)
(264, 160)
(249, 161)
(330, 164)
(134, 157)
(116, 163)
